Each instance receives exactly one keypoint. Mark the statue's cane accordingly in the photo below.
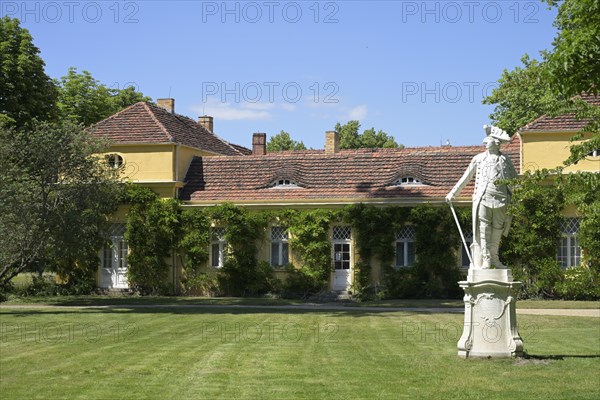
(461, 233)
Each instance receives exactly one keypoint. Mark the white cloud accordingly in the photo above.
(241, 111)
(288, 107)
(258, 106)
(230, 112)
(358, 112)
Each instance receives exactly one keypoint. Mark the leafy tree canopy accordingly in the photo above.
(574, 62)
(350, 138)
(83, 99)
(283, 141)
(26, 92)
(551, 86)
(55, 200)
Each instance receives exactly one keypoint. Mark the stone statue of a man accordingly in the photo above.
(490, 198)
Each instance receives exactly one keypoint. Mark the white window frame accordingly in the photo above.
(218, 240)
(114, 255)
(280, 240)
(404, 240)
(568, 253)
(407, 180)
(284, 184)
(342, 235)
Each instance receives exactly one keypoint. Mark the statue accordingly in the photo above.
(490, 198)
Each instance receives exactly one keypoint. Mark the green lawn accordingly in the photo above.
(202, 353)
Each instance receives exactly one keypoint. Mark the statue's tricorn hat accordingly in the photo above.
(496, 133)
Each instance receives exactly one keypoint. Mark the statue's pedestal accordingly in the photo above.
(490, 329)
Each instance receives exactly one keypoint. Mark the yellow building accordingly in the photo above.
(181, 158)
(153, 146)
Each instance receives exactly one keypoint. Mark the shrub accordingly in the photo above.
(403, 283)
(579, 283)
(300, 283)
(41, 285)
(202, 284)
(246, 278)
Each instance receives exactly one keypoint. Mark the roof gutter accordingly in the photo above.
(324, 203)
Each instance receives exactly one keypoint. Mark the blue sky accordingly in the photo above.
(415, 69)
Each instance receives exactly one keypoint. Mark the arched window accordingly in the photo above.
(114, 160)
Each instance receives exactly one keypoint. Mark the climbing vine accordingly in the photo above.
(243, 274)
(435, 272)
(153, 226)
(193, 252)
(538, 201)
(310, 241)
(158, 229)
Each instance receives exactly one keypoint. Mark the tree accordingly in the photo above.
(554, 86)
(55, 200)
(522, 96)
(84, 100)
(26, 92)
(551, 86)
(574, 62)
(283, 141)
(351, 139)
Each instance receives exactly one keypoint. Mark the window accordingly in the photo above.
(114, 161)
(279, 246)
(284, 184)
(342, 233)
(114, 256)
(594, 153)
(341, 247)
(405, 247)
(407, 180)
(464, 257)
(113, 259)
(218, 248)
(569, 252)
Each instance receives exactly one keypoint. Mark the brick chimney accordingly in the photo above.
(332, 142)
(167, 104)
(259, 144)
(207, 122)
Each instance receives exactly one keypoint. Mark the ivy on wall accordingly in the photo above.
(435, 272)
(530, 249)
(311, 243)
(374, 229)
(193, 252)
(243, 274)
(158, 229)
(153, 227)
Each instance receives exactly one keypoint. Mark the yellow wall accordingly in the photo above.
(549, 150)
(184, 158)
(145, 163)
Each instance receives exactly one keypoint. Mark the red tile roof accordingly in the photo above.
(352, 175)
(565, 122)
(146, 123)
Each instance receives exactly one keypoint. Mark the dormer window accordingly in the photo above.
(114, 161)
(407, 180)
(285, 184)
